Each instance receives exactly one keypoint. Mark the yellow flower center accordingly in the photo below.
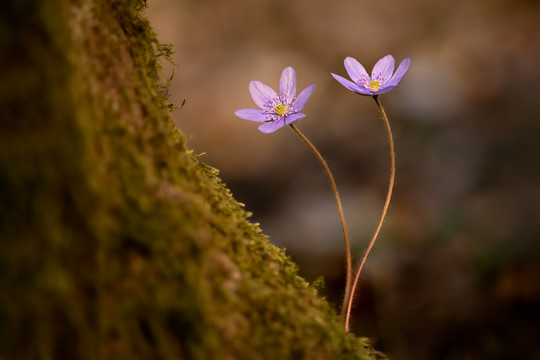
(374, 85)
(281, 109)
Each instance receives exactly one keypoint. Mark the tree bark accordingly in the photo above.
(115, 241)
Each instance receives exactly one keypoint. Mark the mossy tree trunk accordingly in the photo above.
(115, 241)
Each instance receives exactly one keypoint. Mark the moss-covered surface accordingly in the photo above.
(115, 241)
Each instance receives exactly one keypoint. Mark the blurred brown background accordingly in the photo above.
(455, 272)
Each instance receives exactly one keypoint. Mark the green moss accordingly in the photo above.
(116, 241)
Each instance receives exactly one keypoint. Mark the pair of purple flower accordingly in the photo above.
(284, 108)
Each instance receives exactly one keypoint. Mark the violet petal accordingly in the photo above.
(261, 93)
(384, 90)
(400, 72)
(303, 97)
(251, 114)
(294, 118)
(271, 126)
(355, 70)
(383, 69)
(287, 84)
(352, 86)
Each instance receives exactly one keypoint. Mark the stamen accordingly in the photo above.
(278, 107)
(374, 85)
(281, 109)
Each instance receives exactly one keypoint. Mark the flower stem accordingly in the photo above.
(383, 215)
(348, 280)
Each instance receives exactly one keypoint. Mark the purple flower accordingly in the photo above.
(381, 79)
(277, 110)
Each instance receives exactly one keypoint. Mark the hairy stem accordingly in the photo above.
(383, 215)
(348, 280)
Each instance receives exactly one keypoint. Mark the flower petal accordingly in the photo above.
(352, 86)
(272, 126)
(383, 69)
(287, 84)
(261, 93)
(303, 97)
(294, 118)
(400, 72)
(251, 114)
(383, 90)
(355, 70)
